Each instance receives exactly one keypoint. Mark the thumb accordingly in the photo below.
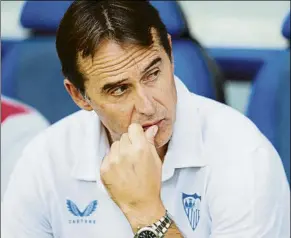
(150, 134)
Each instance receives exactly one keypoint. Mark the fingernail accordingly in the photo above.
(155, 129)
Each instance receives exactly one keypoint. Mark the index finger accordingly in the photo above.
(136, 134)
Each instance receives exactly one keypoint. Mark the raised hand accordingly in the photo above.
(131, 173)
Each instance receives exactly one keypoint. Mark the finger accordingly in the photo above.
(150, 134)
(136, 134)
(125, 144)
(114, 152)
(109, 159)
(105, 166)
(124, 139)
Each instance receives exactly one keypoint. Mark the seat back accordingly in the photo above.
(32, 71)
(6, 46)
(32, 74)
(282, 112)
(269, 104)
(286, 27)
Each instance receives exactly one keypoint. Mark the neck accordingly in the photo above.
(162, 151)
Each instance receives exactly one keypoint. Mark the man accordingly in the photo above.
(157, 161)
(19, 124)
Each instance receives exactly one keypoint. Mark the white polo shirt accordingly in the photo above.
(221, 179)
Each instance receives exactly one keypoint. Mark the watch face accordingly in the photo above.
(147, 234)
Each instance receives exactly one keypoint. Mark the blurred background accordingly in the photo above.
(235, 52)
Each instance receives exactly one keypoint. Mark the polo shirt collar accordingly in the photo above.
(186, 145)
(94, 148)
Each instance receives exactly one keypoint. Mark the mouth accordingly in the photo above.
(147, 125)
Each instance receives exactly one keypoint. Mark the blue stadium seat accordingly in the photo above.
(286, 27)
(282, 134)
(243, 64)
(32, 72)
(269, 104)
(6, 46)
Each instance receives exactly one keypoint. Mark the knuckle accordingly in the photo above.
(115, 145)
(124, 136)
(109, 166)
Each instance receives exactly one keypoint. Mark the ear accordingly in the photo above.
(172, 56)
(170, 40)
(77, 97)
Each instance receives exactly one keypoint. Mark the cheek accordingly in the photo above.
(115, 116)
(166, 92)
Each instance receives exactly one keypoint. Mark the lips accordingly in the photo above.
(145, 126)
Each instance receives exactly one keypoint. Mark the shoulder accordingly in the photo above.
(64, 134)
(246, 179)
(63, 141)
(226, 127)
(54, 151)
(236, 151)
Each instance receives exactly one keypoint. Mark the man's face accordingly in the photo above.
(131, 84)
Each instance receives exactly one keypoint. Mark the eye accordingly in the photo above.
(153, 76)
(118, 91)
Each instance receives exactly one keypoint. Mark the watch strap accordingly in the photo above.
(162, 225)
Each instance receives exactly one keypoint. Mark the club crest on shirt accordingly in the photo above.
(191, 205)
(82, 215)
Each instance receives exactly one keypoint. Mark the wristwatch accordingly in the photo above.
(157, 229)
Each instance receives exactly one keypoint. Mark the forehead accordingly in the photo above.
(112, 59)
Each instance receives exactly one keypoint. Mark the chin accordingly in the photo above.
(163, 137)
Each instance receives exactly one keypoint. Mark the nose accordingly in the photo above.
(144, 103)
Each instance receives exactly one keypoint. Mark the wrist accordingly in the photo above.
(142, 216)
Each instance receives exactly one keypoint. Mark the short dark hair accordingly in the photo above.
(87, 22)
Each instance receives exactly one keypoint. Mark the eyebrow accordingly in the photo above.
(114, 84)
(152, 63)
